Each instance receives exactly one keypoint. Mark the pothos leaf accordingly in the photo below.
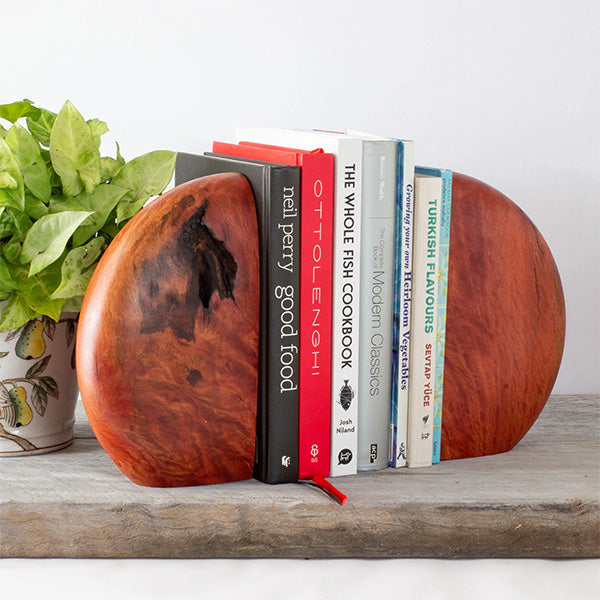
(75, 155)
(61, 204)
(48, 237)
(98, 128)
(73, 304)
(7, 281)
(15, 110)
(111, 228)
(77, 269)
(26, 150)
(40, 126)
(12, 188)
(36, 291)
(14, 222)
(34, 208)
(101, 202)
(15, 314)
(120, 159)
(11, 249)
(144, 177)
(109, 168)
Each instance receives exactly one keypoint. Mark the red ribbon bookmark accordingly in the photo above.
(319, 480)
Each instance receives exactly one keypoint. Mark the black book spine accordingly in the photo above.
(277, 456)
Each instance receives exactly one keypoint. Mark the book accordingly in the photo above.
(428, 190)
(346, 280)
(442, 293)
(276, 192)
(316, 246)
(376, 301)
(403, 241)
(402, 302)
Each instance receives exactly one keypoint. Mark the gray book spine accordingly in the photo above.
(376, 302)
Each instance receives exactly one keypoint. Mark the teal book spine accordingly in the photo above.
(440, 338)
(402, 302)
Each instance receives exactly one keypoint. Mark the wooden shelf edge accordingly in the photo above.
(541, 500)
(95, 531)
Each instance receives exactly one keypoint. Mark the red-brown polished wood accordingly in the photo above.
(505, 325)
(167, 346)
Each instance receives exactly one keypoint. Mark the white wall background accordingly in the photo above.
(508, 92)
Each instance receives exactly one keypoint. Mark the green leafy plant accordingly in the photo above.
(61, 203)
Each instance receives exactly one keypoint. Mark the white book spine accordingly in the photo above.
(346, 280)
(428, 191)
(380, 159)
(346, 309)
(403, 299)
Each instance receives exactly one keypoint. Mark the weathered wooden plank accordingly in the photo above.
(541, 499)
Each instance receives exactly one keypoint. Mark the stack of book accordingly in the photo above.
(354, 262)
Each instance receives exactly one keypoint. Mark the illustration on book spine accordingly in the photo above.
(346, 323)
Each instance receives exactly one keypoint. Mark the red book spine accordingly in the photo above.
(316, 280)
(316, 276)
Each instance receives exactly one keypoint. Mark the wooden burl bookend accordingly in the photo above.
(505, 325)
(167, 347)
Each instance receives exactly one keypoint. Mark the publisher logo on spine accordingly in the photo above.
(373, 453)
(345, 456)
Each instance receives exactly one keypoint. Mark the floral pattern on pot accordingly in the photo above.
(38, 389)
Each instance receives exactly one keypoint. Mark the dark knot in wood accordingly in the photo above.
(199, 264)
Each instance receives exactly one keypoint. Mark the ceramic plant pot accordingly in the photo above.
(38, 386)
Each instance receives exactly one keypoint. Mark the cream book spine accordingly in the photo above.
(428, 192)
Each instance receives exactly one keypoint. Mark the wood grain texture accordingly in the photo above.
(542, 499)
(505, 323)
(167, 347)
